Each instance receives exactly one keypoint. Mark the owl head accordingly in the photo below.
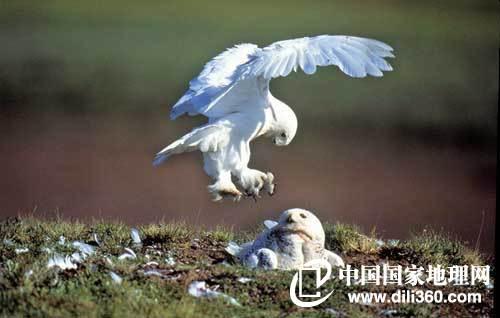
(303, 223)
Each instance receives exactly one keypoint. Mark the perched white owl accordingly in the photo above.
(232, 91)
(297, 238)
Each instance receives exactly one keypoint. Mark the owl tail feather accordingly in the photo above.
(233, 249)
(208, 138)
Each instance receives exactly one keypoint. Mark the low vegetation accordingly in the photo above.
(121, 277)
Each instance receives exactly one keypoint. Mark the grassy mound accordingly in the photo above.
(171, 256)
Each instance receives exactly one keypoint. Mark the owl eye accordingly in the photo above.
(302, 215)
(283, 135)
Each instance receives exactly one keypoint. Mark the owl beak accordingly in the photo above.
(290, 219)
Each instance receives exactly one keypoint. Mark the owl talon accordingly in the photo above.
(255, 181)
(269, 186)
(273, 190)
(220, 190)
(252, 194)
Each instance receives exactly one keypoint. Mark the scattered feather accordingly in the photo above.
(128, 254)
(244, 280)
(333, 312)
(28, 273)
(116, 278)
(96, 239)
(8, 242)
(77, 257)
(389, 312)
(393, 242)
(134, 233)
(125, 256)
(152, 263)
(62, 240)
(131, 252)
(199, 289)
(21, 250)
(154, 272)
(170, 261)
(63, 263)
(85, 249)
(157, 273)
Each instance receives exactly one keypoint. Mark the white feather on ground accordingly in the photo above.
(134, 234)
(63, 262)
(116, 278)
(128, 254)
(200, 289)
(84, 248)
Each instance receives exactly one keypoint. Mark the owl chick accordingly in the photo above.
(297, 238)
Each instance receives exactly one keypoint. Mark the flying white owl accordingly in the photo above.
(232, 91)
(296, 239)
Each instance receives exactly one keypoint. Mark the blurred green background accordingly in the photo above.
(86, 88)
(118, 56)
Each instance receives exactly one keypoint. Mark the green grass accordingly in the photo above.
(29, 288)
(437, 248)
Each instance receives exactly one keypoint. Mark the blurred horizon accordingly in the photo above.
(86, 89)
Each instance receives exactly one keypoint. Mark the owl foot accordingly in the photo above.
(269, 184)
(253, 181)
(220, 190)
